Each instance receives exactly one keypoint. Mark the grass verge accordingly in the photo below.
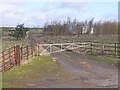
(36, 69)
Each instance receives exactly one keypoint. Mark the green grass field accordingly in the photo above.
(103, 38)
(36, 69)
(6, 43)
(10, 43)
(35, 31)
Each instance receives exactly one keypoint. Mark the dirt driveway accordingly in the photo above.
(86, 72)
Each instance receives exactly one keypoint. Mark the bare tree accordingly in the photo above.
(78, 28)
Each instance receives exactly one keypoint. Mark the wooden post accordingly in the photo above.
(37, 50)
(85, 46)
(115, 49)
(61, 47)
(50, 48)
(91, 47)
(32, 49)
(21, 53)
(9, 57)
(118, 51)
(3, 62)
(17, 55)
(103, 49)
(27, 51)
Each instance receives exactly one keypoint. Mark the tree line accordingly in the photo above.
(74, 27)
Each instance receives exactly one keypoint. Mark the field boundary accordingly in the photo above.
(16, 55)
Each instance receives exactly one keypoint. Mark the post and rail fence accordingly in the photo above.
(17, 54)
(14, 56)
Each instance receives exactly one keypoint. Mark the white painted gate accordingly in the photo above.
(43, 49)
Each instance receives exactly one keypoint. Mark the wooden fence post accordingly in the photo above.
(17, 55)
(85, 46)
(118, 50)
(3, 62)
(103, 49)
(21, 50)
(115, 49)
(35, 49)
(91, 44)
(9, 56)
(27, 51)
(32, 47)
(50, 48)
(38, 50)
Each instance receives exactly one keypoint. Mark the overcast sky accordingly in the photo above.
(37, 13)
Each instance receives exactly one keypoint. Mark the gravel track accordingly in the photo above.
(99, 74)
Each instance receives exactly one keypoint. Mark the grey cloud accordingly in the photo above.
(56, 5)
(74, 5)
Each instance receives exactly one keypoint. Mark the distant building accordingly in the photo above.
(85, 30)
